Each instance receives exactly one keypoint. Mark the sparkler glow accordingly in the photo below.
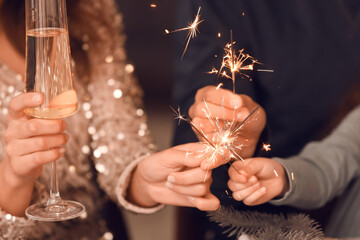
(234, 62)
(224, 138)
(266, 147)
(192, 29)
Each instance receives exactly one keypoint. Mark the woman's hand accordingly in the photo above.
(230, 109)
(174, 177)
(257, 180)
(30, 143)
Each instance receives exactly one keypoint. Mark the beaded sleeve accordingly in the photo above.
(118, 126)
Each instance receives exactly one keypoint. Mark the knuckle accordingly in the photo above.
(231, 185)
(64, 138)
(9, 149)
(248, 202)
(41, 143)
(203, 190)
(192, 110)
(54, 154)
(32, 126)
(59, 125)
(7, 137)
(200, 92)
(201, 205)
(37, 158)
(13, 104)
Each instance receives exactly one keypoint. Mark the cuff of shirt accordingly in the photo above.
(12, 227)
(290, 171)
(122, 187)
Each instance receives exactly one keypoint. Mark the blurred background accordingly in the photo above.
(151, 53)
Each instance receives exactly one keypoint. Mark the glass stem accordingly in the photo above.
(54, 198)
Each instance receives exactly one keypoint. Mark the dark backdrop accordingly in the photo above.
(148, 48)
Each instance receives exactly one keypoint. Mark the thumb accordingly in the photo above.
(250, 167)
(25, 100)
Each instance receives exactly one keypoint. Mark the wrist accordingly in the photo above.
(285, 183)
(139, 190)
(11, 179)
(15, 195)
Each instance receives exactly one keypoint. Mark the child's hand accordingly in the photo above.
(230, 109)
(257, 180)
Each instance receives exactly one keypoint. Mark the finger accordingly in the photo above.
(253, 199)
(220, 97)
(237, 172)
(189, 155)
(250, 167)
(38, 127)
(206, 111)
(235, 186)
(195, 190)
(242, 194)
(189, 177)
(206, 203)
(164, 195)
(25, 100)
(20, 147)
(27, 163)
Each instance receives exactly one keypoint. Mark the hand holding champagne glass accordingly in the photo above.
(48, 71)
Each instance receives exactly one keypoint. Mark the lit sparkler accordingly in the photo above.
(225, 136)
(234, 62)
(192, 29)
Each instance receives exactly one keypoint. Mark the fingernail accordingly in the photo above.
(61, 150)
(171, 179)
(36, 98)
(168, 185)
(191, 199)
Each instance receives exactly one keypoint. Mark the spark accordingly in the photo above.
(219, 35)
(235, 63)
(265, 70)
(266, 147)
(225, 136)
(192, 29)
(153, 5)
(167, 31)
(219, 86)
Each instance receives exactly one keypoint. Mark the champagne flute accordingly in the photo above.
(48, 71)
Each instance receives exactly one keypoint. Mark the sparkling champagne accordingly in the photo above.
(48, 71)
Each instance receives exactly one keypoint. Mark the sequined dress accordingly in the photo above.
(108, 134)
